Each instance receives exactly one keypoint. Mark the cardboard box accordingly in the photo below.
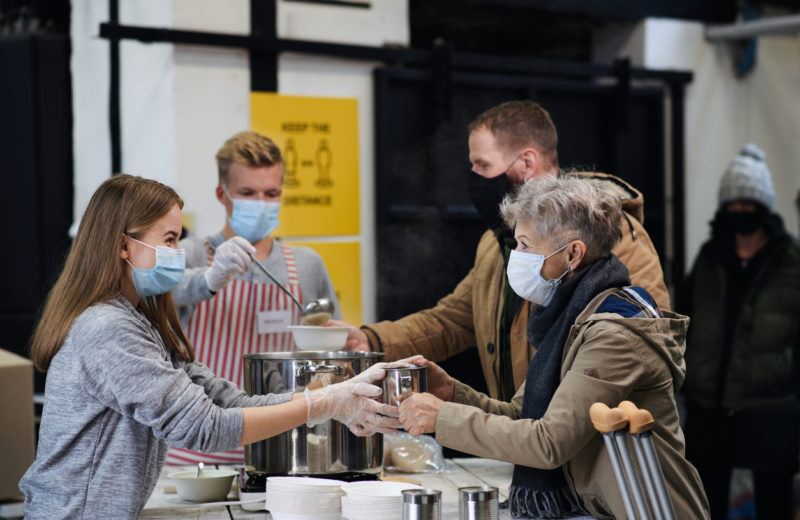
(16, 422)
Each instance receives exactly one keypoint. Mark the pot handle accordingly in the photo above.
(304, 370)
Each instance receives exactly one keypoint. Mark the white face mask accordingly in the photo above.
(525, 276)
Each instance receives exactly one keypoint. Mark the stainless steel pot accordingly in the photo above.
(327, 448)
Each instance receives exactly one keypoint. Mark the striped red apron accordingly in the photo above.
(225, 328)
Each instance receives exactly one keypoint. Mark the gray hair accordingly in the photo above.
(567, 208)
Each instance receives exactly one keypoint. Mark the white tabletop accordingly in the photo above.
(458, 473)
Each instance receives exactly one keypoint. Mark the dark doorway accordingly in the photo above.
(36, 165)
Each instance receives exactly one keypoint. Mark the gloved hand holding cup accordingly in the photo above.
(353, 404)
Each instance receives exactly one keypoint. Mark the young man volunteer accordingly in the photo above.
(227, 307)
(508, 145)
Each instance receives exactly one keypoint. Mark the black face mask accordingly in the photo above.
(740, 222)
(745, 222)
(487, 194)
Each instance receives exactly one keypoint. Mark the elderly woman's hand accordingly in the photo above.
(440, 383)
(418, 413)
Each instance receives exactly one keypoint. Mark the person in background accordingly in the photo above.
(122, 382)
(743, 295)
(509, 144)
(228, 307)
(597, 338)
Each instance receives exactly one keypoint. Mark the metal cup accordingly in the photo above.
(422, 504)
(403, 381)
(477, 503)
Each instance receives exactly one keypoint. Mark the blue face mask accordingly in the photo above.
(253, 220)
(168, 271)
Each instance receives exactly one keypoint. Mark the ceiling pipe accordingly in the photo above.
(746, 30)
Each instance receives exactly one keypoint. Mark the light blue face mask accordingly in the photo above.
(168, 271)
(524, 273)
(253, 220)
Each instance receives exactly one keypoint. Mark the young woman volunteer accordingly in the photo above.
(122, 382)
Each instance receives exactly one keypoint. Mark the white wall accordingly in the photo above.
(211, 103)
(723, 112)
(89, 66)
(146, 81)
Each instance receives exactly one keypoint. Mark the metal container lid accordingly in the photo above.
(406, 368)
(421, 496)
(478, 493)
(313, 355)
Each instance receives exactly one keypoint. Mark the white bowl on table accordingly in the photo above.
(311, 337)
(213, 485)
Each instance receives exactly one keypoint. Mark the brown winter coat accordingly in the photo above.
(471, 313)
(606, 358)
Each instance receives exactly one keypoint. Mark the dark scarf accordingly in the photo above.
(541, 493)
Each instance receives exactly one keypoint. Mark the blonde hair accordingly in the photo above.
(250, 148)
(568, 208)
(94, 271)
(521, 124)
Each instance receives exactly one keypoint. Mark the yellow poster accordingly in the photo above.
(319, 141)
(343, 260)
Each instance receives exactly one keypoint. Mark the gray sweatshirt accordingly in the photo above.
(114, 397)
(315, 282)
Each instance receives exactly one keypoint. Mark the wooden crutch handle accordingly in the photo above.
(607, 419)
(639, 419)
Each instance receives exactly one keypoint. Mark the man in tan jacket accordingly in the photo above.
(508, 145)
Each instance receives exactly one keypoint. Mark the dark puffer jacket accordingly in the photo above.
(762, 370)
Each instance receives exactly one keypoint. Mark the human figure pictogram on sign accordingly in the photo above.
(290, 165)
(324, 159)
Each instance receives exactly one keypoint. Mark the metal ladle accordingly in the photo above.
(315, 312)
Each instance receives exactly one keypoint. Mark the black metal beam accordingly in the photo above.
(114, 120)
(398, 55)
(261, 43)
(337, 3)
(263, 63)
(677, 105)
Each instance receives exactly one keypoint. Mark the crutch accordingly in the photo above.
(612, 422)
(640, 426)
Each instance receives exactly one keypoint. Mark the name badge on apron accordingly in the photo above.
(270, 322)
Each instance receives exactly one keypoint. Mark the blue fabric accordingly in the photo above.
(626, 306)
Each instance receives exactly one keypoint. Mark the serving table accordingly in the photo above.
(165, 504)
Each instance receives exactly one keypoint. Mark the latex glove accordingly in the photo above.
(352, 404)
(230, 258)
(356, 339)
(376, 372)
(418, 413)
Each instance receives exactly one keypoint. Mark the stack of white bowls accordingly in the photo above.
(374, 500)
(304, 498)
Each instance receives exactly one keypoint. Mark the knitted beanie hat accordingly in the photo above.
(748, 177)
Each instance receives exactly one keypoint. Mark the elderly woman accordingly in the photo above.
(596, 339)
